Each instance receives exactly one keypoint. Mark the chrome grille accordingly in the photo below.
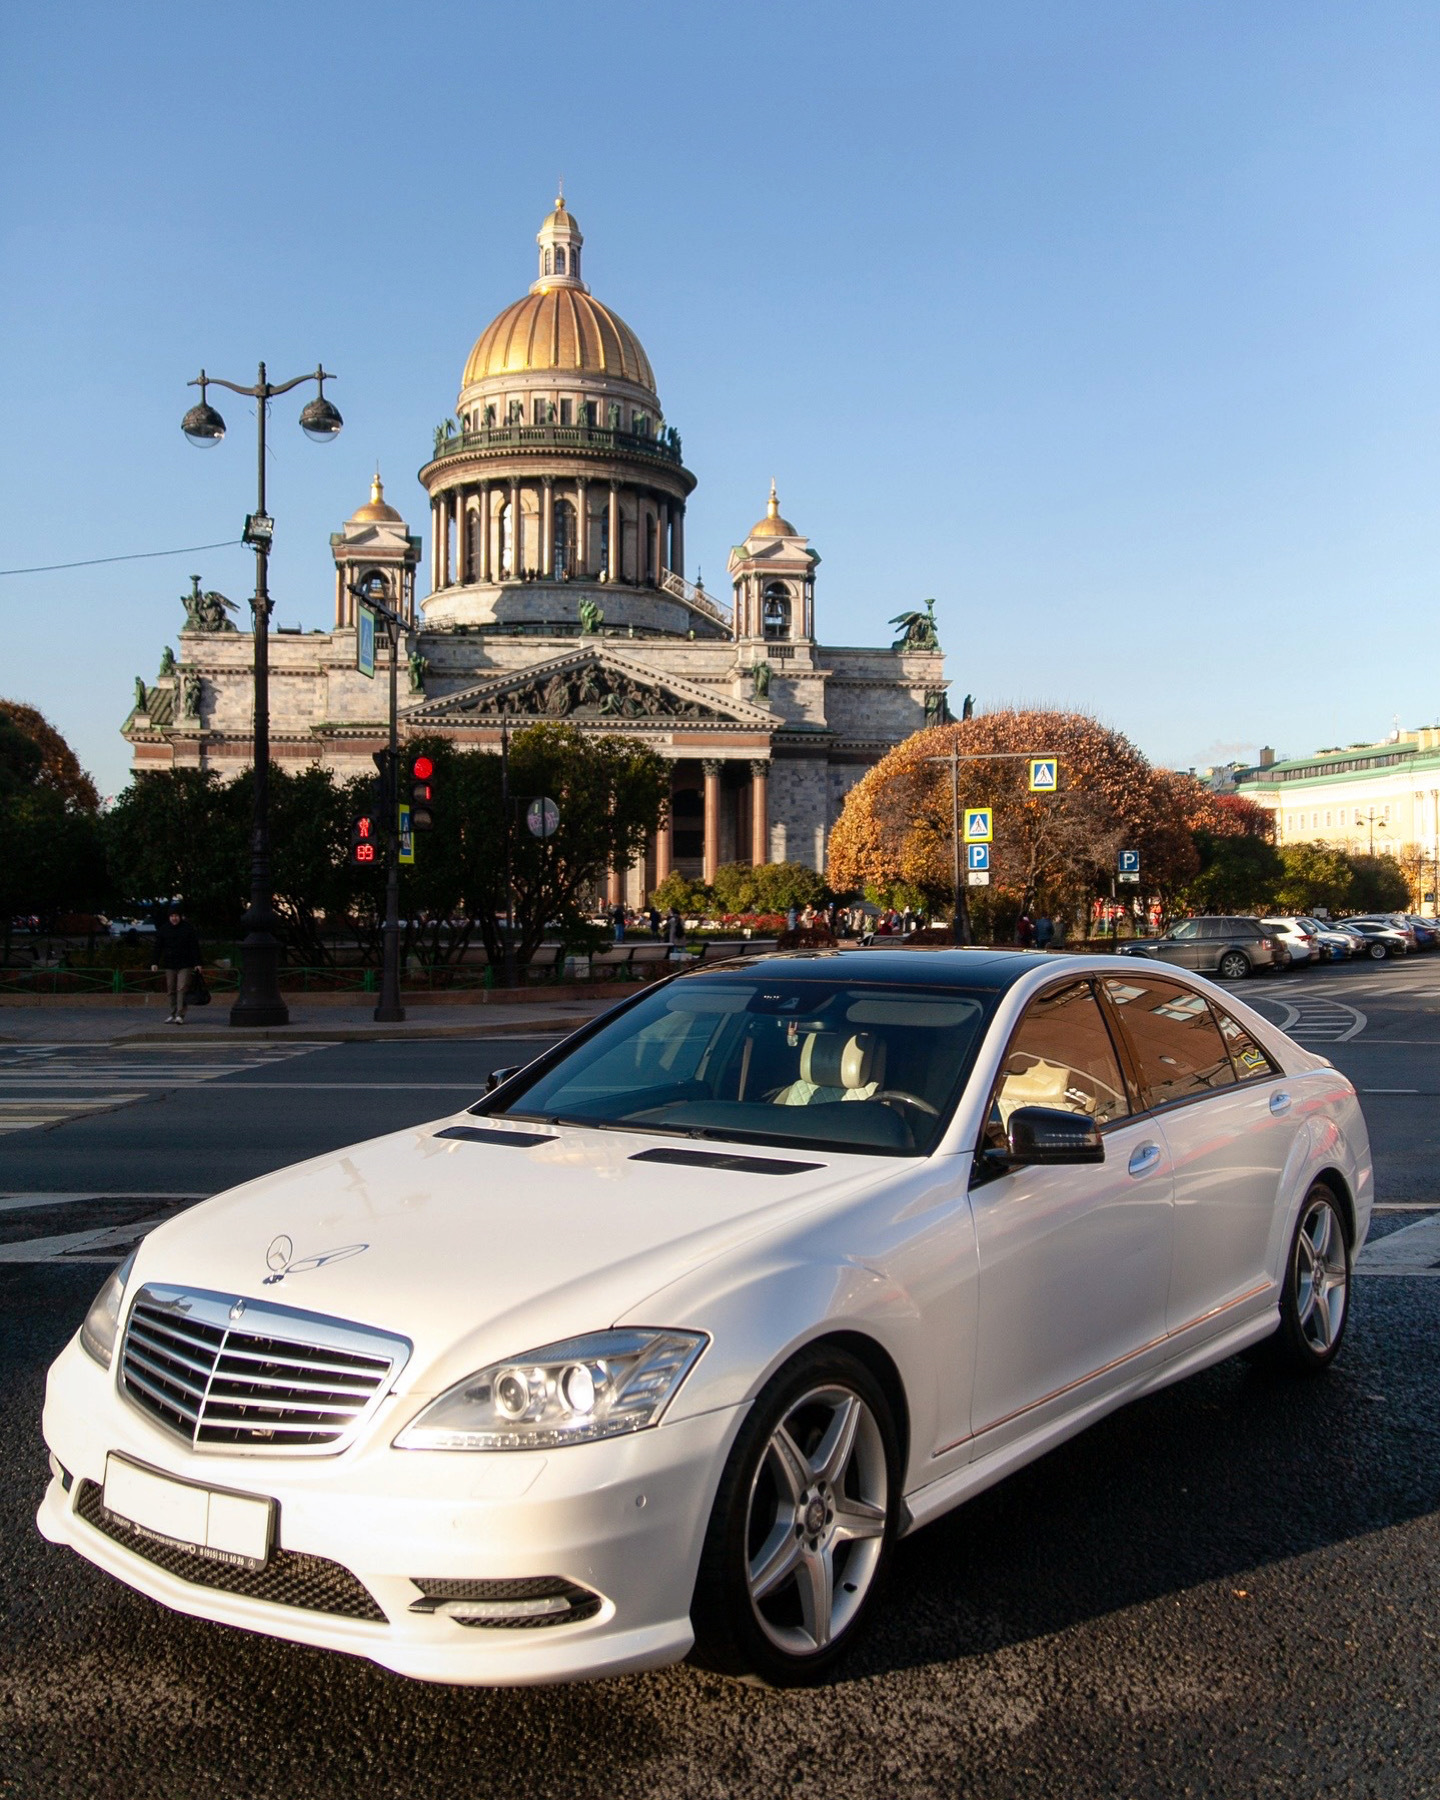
(229, 1374)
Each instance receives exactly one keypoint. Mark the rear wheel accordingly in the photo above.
(1315, 1298)
(1378, 952)
(1234, 965)
(802, 1524)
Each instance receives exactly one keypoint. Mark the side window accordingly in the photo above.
(1173, 1038)
(1190, 929)
(1061, 1056)
(1251, 1062)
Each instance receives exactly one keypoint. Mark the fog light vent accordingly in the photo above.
(519, 1605)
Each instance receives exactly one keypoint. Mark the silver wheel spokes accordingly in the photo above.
(816, 1521)
(1322, 1277)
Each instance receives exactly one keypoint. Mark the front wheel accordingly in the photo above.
(1315, 1299)
(803, 1523)
(1378, 952)
(1234, 965)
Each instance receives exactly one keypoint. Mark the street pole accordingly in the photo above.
(390, 1011)
(960, 925)
(258, 1001)
(509, 964)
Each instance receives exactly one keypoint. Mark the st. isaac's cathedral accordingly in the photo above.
(558, 591)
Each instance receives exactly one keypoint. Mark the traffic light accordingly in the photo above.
(422, 793)
(364, 845)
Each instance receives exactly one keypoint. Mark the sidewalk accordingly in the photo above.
(142, 1020)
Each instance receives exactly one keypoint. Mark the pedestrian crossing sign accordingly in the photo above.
(977, 856)
(979, 824)
(406, 835)
(1044, 774)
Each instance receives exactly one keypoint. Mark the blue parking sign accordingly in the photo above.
(977, 856)
(1129, 862)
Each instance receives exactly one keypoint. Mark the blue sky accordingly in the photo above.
(1111, 325)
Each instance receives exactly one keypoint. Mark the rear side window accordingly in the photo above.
(1173, 1039)
(1251, 1062)
(1061, 1056)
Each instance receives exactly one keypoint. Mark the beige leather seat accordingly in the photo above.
(1042, 1084)
(833, 1067)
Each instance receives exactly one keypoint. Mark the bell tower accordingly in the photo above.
(773, 574)
(376, 552)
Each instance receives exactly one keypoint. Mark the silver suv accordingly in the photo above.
(1228, 947)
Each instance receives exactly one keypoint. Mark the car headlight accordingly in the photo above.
(605, 1385)
(97, 1333)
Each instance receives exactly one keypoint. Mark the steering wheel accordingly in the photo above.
(909, 1100)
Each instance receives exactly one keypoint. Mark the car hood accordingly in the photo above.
(476, 1251)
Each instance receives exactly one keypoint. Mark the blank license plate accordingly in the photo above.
(238, 1529)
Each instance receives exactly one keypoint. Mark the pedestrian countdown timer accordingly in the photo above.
(363, 851)
(1044, 774)
(979, 824)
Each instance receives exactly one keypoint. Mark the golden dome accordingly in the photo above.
(772, 525)
(564, 329)
(375, 511)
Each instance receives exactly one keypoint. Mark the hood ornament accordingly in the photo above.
(282, 1260)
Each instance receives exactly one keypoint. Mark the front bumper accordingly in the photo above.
(625, 1519)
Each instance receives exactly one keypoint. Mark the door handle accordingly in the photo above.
(1279, 1103)
(1144, 1159)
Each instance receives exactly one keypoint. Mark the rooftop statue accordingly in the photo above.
(206, 612)
(918, 630)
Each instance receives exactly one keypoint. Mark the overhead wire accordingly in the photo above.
(91, 562)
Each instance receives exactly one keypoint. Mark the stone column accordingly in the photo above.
(340, 597)
(612, 565)
(582, 528)
(483, 522)
(445, 541)
(460, 544)
(434, 545)
(516, 531)
(614, 888)
(759, 812)
(712, 766)
(547, 526)
(665, 837)
(677, 540)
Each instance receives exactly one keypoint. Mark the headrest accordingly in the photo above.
(862, 1060)
(820, 1058)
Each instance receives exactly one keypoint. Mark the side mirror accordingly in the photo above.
(1043, 1134)
(496, 1076)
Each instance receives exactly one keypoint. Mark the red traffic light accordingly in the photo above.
(422, 768)
(362, 840)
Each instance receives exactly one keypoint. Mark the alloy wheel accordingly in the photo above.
(1322, 1276)
(816, 1518)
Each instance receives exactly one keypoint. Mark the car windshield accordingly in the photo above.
(825, 1064)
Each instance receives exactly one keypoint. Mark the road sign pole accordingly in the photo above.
(960, 925)
(390, 1011)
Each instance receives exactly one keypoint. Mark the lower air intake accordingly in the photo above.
(525, 1604)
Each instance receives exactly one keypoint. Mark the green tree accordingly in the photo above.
(684, 895)
(1238, 874)
(182, 832)
(779, 886)
(54, 860)
(1314, 875)
(1380, 885)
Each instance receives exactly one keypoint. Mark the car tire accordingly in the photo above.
(802, 1526)
(1234, 965)
(1315, 1294)
(1378, 952)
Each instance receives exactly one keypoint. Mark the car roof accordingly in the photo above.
(923, 966)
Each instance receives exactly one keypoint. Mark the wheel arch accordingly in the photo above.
(1333, 1178)
(878, 1360)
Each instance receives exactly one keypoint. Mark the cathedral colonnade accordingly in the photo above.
(719, 812)
(569, 528)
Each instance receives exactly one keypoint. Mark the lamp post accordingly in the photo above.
(258, 1001)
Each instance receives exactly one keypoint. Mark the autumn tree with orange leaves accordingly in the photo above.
(1052, 852)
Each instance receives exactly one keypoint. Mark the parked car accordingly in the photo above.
(1230, 947)
(1297, 936)
(661, 1345)
(131, 929)
(1379, 940)
(1333, 945)
(1427, 931)
(1394, 921)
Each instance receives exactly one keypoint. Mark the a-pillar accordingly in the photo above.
(547, 526)
(712, 767)
(759, 812)
(612, 561)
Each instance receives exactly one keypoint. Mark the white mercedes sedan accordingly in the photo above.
(657, 1349)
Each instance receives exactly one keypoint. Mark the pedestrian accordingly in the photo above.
(674, 927)
(1025, 932)
(617, 919)
(790, 916)
(1044, 931)
(178, 947)
(654, 921)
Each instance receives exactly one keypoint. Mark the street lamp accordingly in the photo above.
(258, 1001)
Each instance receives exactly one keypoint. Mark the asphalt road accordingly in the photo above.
(1231, 1588)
